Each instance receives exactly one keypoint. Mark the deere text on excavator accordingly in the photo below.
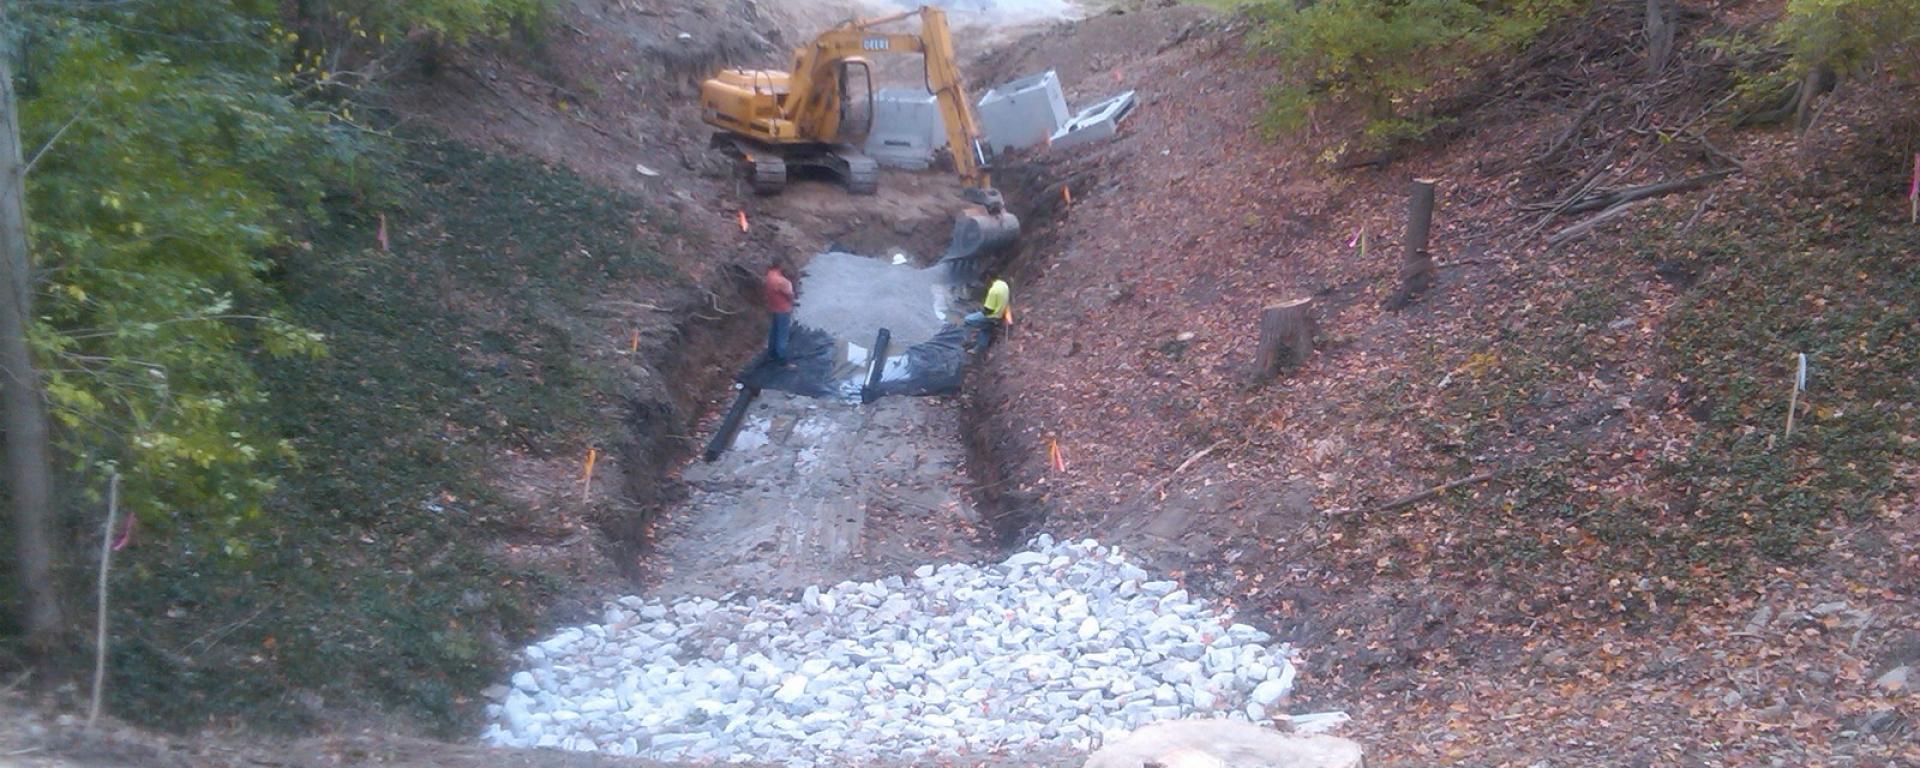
(816, 114)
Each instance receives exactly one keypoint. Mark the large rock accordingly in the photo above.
(1224, 744)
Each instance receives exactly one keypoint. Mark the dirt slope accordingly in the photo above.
(1532, 618)
(1579, 601)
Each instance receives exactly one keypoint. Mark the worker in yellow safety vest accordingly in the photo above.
(993, 312)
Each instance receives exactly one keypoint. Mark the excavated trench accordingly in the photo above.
(854, 582)
(793, 503)
(693, 380)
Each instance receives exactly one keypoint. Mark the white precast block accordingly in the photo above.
(906, 128)
(1098, 122)
(1024, 112)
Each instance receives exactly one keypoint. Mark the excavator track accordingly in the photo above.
(767, 173)
(760, 167)
(766, 167)
(860, 172)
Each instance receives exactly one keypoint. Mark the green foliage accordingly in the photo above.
(303, 424)
(374, 580)
(170, 181)
(1383, 54)
(454, 20)
(184, 144)
(1846, 35)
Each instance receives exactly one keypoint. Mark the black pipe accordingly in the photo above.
(723, 439)
(877, 367)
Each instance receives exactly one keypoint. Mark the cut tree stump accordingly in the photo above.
(1416, 264)
(1660, 29)
(1286, 337)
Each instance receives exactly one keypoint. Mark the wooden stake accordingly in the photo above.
(633, 344)
(1793, 399)
(1066, 194)
(586, 479)
(100, 617)
(743, 221)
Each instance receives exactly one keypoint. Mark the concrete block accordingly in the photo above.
(1096, 123)
(1024, 112)
(906, 128)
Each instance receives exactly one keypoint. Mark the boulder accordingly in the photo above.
(1224, 744)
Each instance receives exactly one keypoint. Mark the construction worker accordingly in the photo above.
(778, 294)
(993, 312)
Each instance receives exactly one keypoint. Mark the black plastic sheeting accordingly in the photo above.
(931, 367)
(812, 369)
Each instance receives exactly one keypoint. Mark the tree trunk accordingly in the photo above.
(1817, 82)
(29, 473)
(1416, 264)
(1286, 337)
(1659, 35)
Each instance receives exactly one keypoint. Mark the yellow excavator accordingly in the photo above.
(815, 115)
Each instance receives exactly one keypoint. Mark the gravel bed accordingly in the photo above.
(1063, 643)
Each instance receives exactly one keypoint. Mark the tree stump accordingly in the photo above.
(1286, 337)
(1660, 29)
(1416, 264)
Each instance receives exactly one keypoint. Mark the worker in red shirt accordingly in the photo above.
(778, 292)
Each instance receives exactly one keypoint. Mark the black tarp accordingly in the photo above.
(814, 368)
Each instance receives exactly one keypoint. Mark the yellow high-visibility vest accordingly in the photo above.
(997, 298)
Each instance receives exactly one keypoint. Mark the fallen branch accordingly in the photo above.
(1603, 199)
(1198, 455)
(1573, 129)
(1699, 210)
(215, 636)
(1587, 226)
(1429, 493)
(639, 305)
(1580, 189)
(42, 151)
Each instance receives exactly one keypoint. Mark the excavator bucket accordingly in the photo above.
(976, 233)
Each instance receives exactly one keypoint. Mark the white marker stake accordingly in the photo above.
(1799, 385)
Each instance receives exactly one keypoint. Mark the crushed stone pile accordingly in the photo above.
(1062, 643)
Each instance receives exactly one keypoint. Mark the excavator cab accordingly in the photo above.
(856, 101)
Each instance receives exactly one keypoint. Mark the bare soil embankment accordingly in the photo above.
(1629, 574)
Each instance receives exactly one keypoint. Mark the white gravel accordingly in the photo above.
(852, 297)
(1060, 644)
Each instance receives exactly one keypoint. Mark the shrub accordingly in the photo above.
(1847, 35)
(1383, 54)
